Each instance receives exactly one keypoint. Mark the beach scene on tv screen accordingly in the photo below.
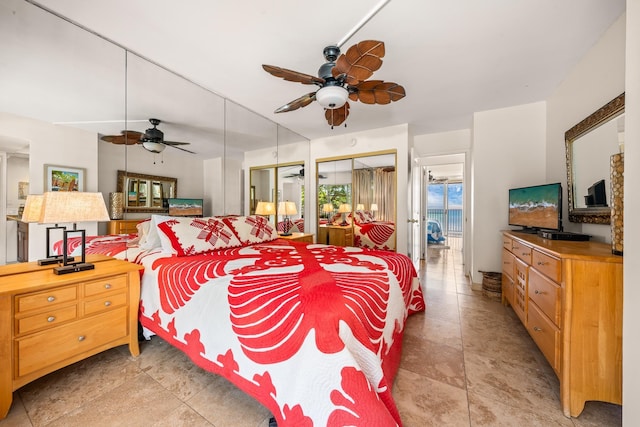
(185, 207)
(534, 207)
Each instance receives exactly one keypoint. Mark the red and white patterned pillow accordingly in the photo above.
(191, 236)
(251, 229)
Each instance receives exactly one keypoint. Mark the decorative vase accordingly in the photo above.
(116, 205)
(617, 203)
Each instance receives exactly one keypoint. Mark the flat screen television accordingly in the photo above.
(538, 207)
(185, 207)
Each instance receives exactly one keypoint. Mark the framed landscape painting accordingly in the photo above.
(63, 178)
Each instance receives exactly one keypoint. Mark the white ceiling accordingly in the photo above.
(453, 57)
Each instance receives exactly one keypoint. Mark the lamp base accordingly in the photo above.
(72, 268)
(54, 260)
(286, 234)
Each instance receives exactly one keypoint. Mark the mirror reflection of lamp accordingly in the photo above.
(344, 209)
(360, 207)
(374, 209)
(327, 209)
(265, 208)
(286, 209)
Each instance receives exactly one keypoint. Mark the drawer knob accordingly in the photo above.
(542, 263)
(107, 303)
(51, 318)
(524, 254)
(51, 299)
(537, 292)
(81, 338)
(107, 286)
(537, 329)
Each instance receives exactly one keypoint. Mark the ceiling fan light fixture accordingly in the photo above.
(332, 96)
(154, 147)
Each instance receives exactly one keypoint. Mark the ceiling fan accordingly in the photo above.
(300, 175)
(152, 139)
(343, 76)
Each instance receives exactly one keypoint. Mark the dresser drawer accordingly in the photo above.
(547, 265)
(105, 302)
(507, 243)
(53, 317)
(546, 295)
(41, 350)
(105, 285)
(520, 290)
(522, 251)
(508, 262)
(507, 289)
(45, 299)
(545, 334)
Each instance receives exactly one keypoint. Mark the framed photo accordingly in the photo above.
(63, 178)
(23, 190)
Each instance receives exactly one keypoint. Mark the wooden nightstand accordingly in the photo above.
(50, 321)
(335, 235)
(123, 226)
(299, 237)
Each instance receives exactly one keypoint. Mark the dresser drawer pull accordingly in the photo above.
(107, 303)
(537, 329)
(107, 286)
(537, 292)
(542, 263)
(525, 253)
(51, 299)
(51, 319)
(81, 338)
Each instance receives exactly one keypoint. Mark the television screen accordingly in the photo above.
(536, 207)
(185, 207)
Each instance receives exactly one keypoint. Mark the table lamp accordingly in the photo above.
(72, 207)
(359, 207)
(374, 208)
(30, 214)
(287, 208)
(344, 208)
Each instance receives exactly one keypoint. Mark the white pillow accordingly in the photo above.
(153, 237)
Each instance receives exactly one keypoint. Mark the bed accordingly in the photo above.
(369, 233)
(312, 331)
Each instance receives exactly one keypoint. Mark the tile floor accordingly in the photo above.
(467, 361)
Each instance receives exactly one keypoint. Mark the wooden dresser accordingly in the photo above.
(569, 297)
(122, 226)
(335, 235)
(50, 321)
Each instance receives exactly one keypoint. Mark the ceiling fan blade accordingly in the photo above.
(180, 148)
(293, 76)
(360, 61)
(128, 137)
(337, 116)
(377, 92)
(175, 143)
(303, 101)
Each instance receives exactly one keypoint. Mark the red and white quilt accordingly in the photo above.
(311, 331)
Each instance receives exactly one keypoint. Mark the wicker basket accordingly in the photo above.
(492, 284)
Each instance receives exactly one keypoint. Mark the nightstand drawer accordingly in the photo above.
(46, 319)
(48, 298)
(41, 350)
(105, 302)
(106, 285)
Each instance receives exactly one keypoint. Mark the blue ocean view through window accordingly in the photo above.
(450, 216)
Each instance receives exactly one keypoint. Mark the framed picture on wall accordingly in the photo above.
(23, 190)
(63, 178)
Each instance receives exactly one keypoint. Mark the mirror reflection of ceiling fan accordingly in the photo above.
(300, 175)
(152, 139)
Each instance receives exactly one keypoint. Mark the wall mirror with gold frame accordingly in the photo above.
(146, 193)
(589, 146)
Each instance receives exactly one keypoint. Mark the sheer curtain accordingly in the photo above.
(384, 194)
